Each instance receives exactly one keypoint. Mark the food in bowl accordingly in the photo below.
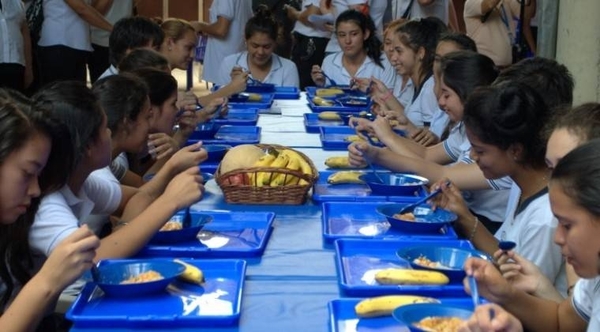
(405, 216)
(143, 277)
(439, 324)
(171, 225)
(424, 261)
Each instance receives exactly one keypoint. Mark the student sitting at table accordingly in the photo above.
(574, 185)
(505, 126)
(360, 56)
(461, 73)
(79, 116)
(28, 149)
(259, 61)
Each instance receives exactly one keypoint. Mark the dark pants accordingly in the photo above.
(12, 75)
(61, 63)
(98, 62)
(306, 52)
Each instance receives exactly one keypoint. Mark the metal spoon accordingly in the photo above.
(411, 207)
(333, 83)
(95, 273)
(506, 245)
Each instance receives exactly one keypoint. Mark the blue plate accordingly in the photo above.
(353, 101)
(215, 152)
(357, 261)
(233, 135)
(413, 313)
(358, 220)
(111, 277)
(238, 117)
(241, 100)
(313, 124)
(183, 235)
(236, 234)
(453, 259)
(260, 88)
(287, 92)
(183, 305)
(334, 138)
(426, 219)
(336, 107)
(342, 317)
(204, 131)
(396, 184)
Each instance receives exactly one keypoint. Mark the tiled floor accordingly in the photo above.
(199, 88)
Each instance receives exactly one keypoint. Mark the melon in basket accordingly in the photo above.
(241, 156)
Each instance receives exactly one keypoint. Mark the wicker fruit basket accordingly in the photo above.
(241, 186)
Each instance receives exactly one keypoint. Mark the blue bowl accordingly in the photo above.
(183, 235)
(353, 101)
(111, 276)
(426, 219)
(412, 314)
(206, 177)
(216, 152)
(260, 88)
(205, 130)
(452, 259)
(394, 184)
(239, 98)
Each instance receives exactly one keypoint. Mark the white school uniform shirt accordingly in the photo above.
(62, 212)
(12, 17)
(238, 12)
(283, 71)
(333, 67)
(489, 203)
(586, 301)
(110, 71)
(118, 10)
(119, 166)
(404, 95)
(62, 26)
(307, 30)
(377, 10)
(531, 226)
(424, 105)
(439, 122)
(439, 9)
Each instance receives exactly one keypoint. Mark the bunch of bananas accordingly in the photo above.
(285, 158)
(410, 277)
(191, 273)
(385, 305)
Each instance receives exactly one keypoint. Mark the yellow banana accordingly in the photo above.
(344, 177)
(385, 305)
(264, 161)
(322, 102)
(281, 178)
(338, 162)
(305, 167)
(410, 277)
(329, 116)
(191, 273)
(328, 92)
(353, 138)
(266, 178)
(254, 97)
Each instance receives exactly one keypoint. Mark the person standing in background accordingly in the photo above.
(15, 46)
(98, 61)
(488, 23)
(225, 33)
(309, 42)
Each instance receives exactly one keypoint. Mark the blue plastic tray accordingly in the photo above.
(264, 102)
(332, 138)
(360, 220)
(312, 91)
(239, 117)
(342, 317)
(233, 135)
(357, 261)
(209, 167)
(287, 92)
(325, 192)
(335, 108)
(217, 302)
(239, 234)
(313, 124)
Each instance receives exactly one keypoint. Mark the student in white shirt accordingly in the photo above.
(259, 61)
(573, 180)
(65, 39)
(76, 110)
(403, 87)
(28, 150)
(225, 33)
(15, 47)
(461, 73)
(361, 56)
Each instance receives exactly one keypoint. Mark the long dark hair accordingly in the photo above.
(263, 21)
(161, 85)
(372, 44)
(463, 71)
(18, 123)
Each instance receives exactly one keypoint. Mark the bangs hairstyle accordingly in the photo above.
(464, 71)
(263, 21)
(76, 112)
(423, 33)
(143, 58)
(507, 115)
(578, 173)
(372, 44)
(122, 97)
(161, 85)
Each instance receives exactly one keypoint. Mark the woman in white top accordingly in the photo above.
(65, 39)
(15, 46)
(361, 56)
(225, 33)
(258, 60)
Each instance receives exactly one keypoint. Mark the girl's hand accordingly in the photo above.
(378, 89)
(491, 318)
(522, 273)
(187, 123)
(380, 127)
(237, 71)
(186, 101)
(423, 136)
(213, 109)
(186, 157)
(317, 75)
(450, 198)
(186, 188)
(161, 145)
(358, 151)
(239, 82)
(490, 282)
(73, 256)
